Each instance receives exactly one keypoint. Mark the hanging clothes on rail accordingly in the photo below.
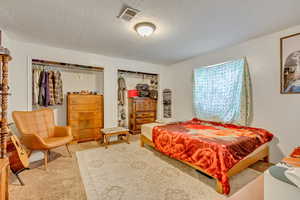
(46, 87)
(51, 81)
(43, 91)
(35, 86)
(58, 88)
(121, 90)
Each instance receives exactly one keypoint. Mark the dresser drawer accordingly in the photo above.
(85, 133)
(145, 114)
(144, 120)
(84, 124)
(85, 115)
(146, 105)
(85, 107)
(85, 99)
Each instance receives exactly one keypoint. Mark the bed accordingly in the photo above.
(216, 149)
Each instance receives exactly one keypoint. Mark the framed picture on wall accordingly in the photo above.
(290, 64)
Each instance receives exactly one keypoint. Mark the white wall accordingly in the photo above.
(76, 81)
(20, 73)
(273, 111)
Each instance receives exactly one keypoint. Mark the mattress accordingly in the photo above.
(147, 132)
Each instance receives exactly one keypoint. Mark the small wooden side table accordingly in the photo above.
(119, 131)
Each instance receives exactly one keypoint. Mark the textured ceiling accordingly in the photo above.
(185, 28)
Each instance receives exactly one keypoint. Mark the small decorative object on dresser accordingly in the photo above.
(143, 89)
(118, 131)
(85, 116)
(141, 110)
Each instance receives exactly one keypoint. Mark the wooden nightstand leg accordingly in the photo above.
(128, 136)
(105, 141)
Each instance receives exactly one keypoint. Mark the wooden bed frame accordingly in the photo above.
(240, 166)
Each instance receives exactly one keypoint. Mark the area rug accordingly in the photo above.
(130, 172)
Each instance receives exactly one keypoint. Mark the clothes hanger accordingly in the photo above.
(121, 74)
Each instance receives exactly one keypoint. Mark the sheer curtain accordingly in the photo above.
(222, 92)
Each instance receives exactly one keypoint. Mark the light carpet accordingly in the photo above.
(130, 172)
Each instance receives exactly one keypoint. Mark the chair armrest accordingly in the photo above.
(33, 141)
(62, 131)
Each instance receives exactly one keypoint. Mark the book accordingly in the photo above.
(292, 161)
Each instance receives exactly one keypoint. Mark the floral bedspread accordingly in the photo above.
(214, 147)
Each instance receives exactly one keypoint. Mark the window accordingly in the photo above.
(222, 92)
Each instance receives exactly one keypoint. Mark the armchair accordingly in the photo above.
(39, 132)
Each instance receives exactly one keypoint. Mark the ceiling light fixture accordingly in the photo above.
(145, 29)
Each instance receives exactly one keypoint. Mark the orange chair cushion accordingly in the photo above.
(52, 142)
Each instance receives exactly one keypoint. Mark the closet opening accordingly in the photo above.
(74, 92)
(137, 99)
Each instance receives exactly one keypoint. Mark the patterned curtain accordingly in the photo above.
(222, 92)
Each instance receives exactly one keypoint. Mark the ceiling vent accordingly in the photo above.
(128, 13)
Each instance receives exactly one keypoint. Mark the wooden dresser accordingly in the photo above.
(85, 116)
(141, 110)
